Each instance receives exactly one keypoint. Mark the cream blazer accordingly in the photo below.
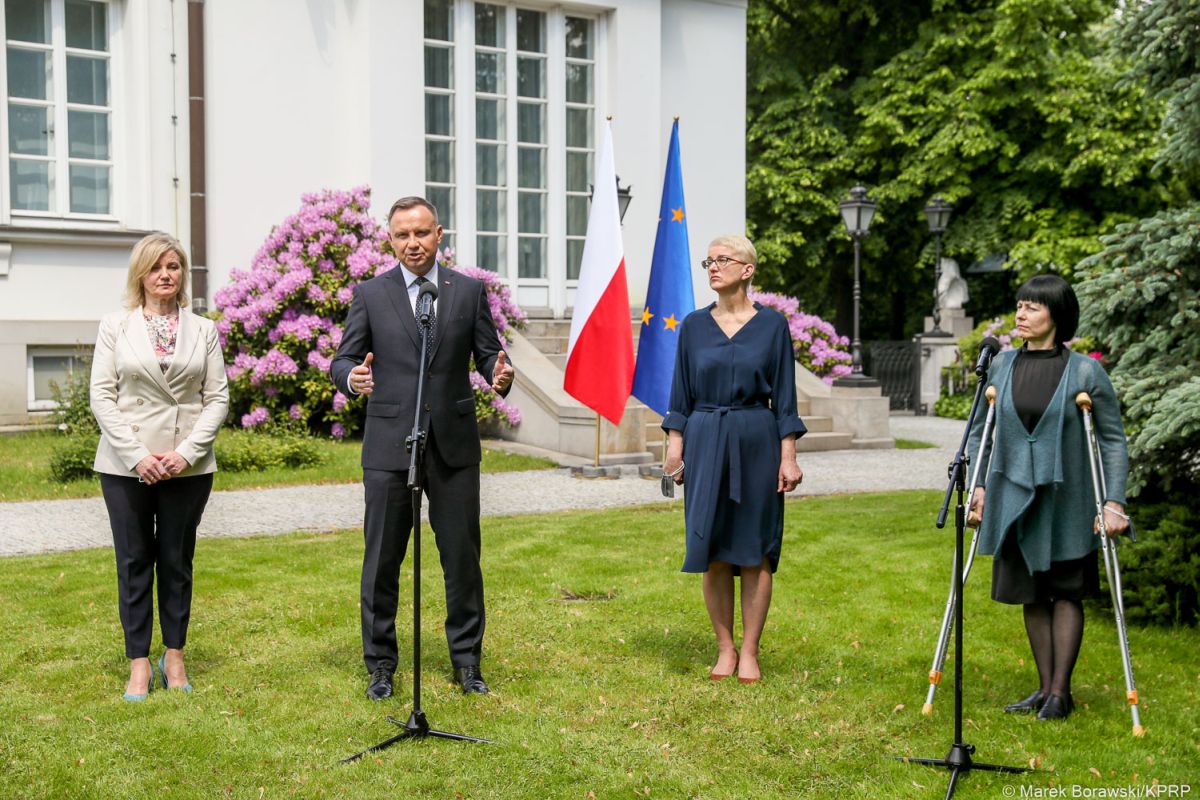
(141, 409)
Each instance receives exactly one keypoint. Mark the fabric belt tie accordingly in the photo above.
(727, 439)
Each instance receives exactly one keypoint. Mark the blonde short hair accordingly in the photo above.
(145, 255)
(742, 247)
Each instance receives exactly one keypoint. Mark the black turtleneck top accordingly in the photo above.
(1036, 375)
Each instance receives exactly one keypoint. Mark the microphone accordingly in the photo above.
(987, 350)
(425, 297)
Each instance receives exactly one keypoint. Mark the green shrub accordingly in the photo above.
(73, 456)
(1160, 573)
(953, 406)
(74, 411)
(246, 451)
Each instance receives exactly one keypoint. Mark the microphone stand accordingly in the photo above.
(417, 726)
(959, 760)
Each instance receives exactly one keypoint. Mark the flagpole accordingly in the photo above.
(596, 462)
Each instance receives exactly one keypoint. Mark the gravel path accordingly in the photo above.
(55, 525)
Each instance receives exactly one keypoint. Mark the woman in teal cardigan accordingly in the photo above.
(1039, 521)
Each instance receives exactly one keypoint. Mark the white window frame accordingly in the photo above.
(40, 351)
(554, 290)
(61, 215)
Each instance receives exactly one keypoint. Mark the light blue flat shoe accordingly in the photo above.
(162, 670)
(137, 698)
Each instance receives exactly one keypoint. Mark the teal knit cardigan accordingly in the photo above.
(1039, 485)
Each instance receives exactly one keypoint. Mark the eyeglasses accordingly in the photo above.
(721, 261)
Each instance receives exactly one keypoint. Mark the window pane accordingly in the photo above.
(439, 20)
(29, 74)
(489, 165)
(579, 172)
(490, 210)
(489, 25)
(531, 77)
(574, 258)
(87, 135)
(531, 122)
(89, 189)
(531, 168)
(489, 252)
(439, 114)
(442, 198)
(579, 38)
(86, 25)
(47, 369)
(27, 20)
(579, 83)
(87, 80)
(31, 184)
(489, 119)
(531, 258)
(489, 73)
(579, 127)
(439, 162)
(577, 215)
(448, 241)
(439, 67)
(531, 31)
(29, 129)
(531, 212)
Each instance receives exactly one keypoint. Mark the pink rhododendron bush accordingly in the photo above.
(281, 320)
(818, 347)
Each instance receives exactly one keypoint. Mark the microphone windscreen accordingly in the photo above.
(430, 288)
(990, 343)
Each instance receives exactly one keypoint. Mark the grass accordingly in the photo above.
(25, 473)
(913, 444)
(597, 650)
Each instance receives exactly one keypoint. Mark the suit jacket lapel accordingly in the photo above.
(185, 343)
(139, 339)
(445, 306)
(398, 294)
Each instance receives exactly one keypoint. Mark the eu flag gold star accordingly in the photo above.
(646, 315)
(677, 214)
(670, 322)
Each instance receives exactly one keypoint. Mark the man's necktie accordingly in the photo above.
(421, 281)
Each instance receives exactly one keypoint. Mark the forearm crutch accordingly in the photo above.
(1111, 565)
(943, 642)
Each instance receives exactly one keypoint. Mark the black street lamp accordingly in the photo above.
(624, 196)
(857, 213)
(938, 213)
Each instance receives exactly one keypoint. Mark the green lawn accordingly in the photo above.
(607, 697)
(25, 473)
(913, 444)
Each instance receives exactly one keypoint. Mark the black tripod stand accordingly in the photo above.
(959, 760)
(417, 726)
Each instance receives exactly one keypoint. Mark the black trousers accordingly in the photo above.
(154, 531)
(454, 516)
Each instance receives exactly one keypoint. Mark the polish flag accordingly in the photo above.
(600, 352)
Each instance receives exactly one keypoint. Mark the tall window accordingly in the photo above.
(525, 176)
(581, 139)
(59, 107)
(439, 113)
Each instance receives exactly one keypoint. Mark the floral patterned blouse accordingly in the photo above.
(163, 331)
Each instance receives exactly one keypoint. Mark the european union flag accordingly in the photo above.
(669, 297)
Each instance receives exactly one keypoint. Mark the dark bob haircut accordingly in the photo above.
(1057, 295)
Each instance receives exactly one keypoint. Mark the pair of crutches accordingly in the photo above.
(1112, 566)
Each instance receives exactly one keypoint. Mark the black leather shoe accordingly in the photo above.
(1056, 707)
(1031, 703)
(380, 687)
(471, 680)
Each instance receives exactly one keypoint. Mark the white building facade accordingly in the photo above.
(208, 120)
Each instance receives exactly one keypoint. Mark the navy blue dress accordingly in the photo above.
(733, 399)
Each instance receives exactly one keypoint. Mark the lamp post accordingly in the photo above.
(938, 213)
(857, 213)
(624, 196)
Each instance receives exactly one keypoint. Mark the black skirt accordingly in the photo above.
(1075, 579)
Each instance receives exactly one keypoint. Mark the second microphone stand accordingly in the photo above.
(417, 726)
(959, 760)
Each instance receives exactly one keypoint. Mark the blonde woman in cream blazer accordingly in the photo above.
(159, 394)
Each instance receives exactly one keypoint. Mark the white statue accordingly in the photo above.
(952, 287)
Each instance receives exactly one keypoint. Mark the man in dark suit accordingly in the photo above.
(379, 356)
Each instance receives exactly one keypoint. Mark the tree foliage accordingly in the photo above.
(1011, 109)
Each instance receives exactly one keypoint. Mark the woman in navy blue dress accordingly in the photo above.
(733, 417)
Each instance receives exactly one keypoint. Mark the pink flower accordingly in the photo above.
(338, 431)
(257, 416)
